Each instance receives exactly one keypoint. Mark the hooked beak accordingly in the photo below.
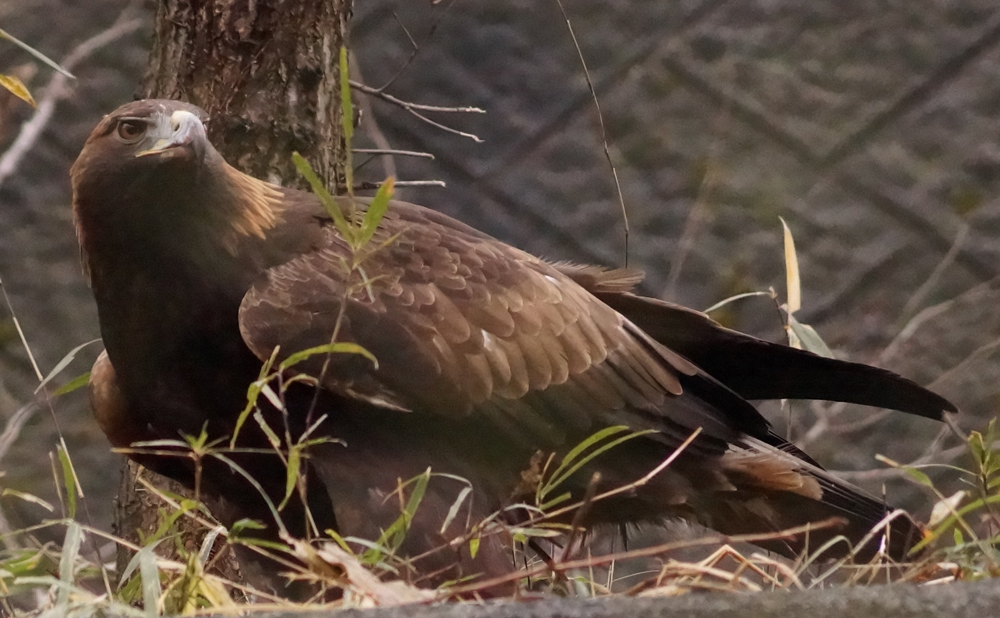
(180, 129)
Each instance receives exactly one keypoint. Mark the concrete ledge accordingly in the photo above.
(961, 600)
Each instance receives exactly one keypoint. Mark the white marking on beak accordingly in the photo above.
(182, 128)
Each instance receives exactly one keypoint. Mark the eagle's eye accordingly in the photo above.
(131, 130)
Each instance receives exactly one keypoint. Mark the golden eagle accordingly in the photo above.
(485, 354)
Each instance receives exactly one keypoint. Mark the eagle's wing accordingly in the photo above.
(461, 323)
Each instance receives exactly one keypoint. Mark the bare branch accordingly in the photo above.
(390, 152)
(416, 108)
(407, 105)
(600, 118)
(368, 186)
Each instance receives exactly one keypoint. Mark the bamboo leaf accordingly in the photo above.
(207, 543)
(376, 210)
(78, 382)
(809, 338)
(346, 118)
(725, 301)
(32, 498)
(272, 396)
(330, 204)
(792, 282)
(453, 511)
(62, 364)
(69, 480)
(291, 474)
(16, 87)
(575, 459)
(342, 347)
(67, 561)
(150, 574)
(37, 54)
(272, 437)
(245, 524)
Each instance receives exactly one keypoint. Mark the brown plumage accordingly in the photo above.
(486, 355)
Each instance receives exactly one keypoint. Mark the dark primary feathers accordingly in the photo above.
(486, 355)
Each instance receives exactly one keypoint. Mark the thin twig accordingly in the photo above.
(407, 105)
(369, 124)
(414, 107)
(600, 118)
(699, 214)
(413, 52)
(20, 331)
(932, 280)
(391, 152)
(369, 186)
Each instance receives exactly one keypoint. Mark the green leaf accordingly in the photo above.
(914, 473)
(291, 474)
(170, 519)
(346, 117)
(32, 498)
(246, 524)
(133, 564)
(207, 543)
(37, 54)
(253, 391)
(272, 396)
(150, 574)
(78, 382)
(376, 210)
(395, 534)
(67, 561)
(272, 437)
(69, 479)
(343, 347)
(555, 501)
(62, 364)
(457, 504)
(810, 339)
(725, 301)
(330, 204)
(575, 459)
(473, 547)
(17, 88)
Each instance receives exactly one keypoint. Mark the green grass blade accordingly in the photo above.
(376, 210)
(69, 480)
(78, 382)
(810, 339)
(346, 118)
(62, 364)
(67, 561)
(342, 347)
(150, 574)
(332, 209)
(291, 474)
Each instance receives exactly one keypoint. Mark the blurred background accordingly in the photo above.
(871, 126)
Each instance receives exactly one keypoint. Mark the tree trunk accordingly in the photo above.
(267, 73)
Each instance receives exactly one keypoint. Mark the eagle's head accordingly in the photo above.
(149, 174)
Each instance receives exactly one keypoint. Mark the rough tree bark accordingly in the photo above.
(267, 73)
